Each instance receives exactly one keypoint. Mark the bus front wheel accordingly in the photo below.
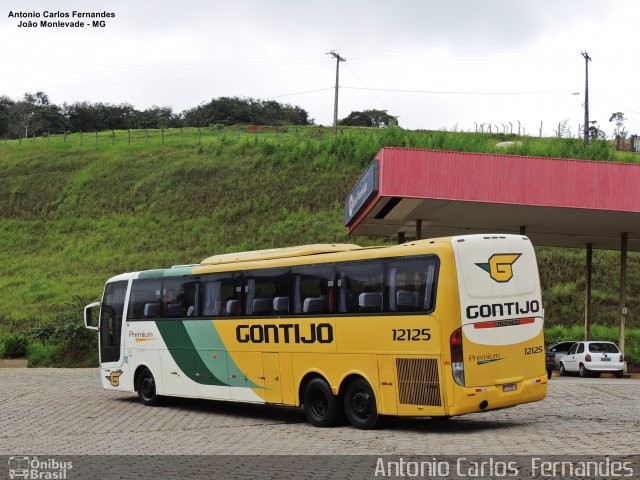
(146, 387)
(320, 405)
(360, 404)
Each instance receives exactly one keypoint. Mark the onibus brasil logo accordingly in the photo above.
(34, 468)
(500, 267)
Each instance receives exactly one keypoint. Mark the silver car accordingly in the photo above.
(593, 358)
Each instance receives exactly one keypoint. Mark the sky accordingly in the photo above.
(453, 64)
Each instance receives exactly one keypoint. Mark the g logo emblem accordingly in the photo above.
(500, 267)
(114, 377)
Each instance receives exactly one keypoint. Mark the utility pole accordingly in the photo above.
(587, 59)
(335, 102)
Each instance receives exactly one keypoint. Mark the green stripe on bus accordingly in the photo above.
(200, 354)
(207, 342)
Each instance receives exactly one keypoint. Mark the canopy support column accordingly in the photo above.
(587, 293)
(523, 230)
(418, 229)
(400, 238)
(623, 286)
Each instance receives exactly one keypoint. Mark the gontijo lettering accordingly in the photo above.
(501, 309)
(285, 333)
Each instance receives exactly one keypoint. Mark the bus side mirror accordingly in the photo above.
(88, 316)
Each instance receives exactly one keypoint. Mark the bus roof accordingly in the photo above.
(273, 253)
(296, 256)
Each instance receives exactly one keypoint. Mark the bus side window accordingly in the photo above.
(267, 292)
(221, 294)
(145, 301)
(180, 297)
(360, 287)
(410, 284)
(313, 289)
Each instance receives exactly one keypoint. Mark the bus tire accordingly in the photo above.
(146, 387)
(360, 405)
(320, 405)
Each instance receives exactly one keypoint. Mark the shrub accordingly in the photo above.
(15, 345)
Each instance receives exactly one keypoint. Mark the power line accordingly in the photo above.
(364, 84)
(616, 103)
(301, 93)
(397, 90)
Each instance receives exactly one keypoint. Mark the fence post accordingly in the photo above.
(65, 135)
(80, 137)
(96, 136)
(162, 130)
(34, 136)
(181, 136)
(5, 138)
(47, 137)
(113, 137)
(238, 137)
(129, 131)
(146, 136)
(199, 135)
(19, 139)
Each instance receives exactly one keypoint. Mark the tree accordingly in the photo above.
(619, 132)
(6, 105)
(232, 110)
(34, 114)
(594, 131)
(369, 118)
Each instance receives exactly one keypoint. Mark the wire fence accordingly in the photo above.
(184, 135)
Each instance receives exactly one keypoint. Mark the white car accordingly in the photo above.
(589, 358)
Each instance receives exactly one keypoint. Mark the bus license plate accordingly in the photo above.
(509, 387)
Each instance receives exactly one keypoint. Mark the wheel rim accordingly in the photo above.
(361, 404)
(319, 403)
(148, 387)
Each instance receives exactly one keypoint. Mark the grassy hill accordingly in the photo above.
(74, 211)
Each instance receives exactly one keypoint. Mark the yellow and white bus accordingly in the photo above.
(436, 328)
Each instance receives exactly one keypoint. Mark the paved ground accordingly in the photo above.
(65, 411)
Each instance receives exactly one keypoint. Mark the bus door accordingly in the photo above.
(272, 383)
(112, 363)
(111, 310)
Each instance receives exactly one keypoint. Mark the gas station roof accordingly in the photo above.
(556, 202)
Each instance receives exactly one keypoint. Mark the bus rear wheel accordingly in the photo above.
(146, 387)
(360, 405)
(320, 405)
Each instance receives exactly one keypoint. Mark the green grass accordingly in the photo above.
(73, 215)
